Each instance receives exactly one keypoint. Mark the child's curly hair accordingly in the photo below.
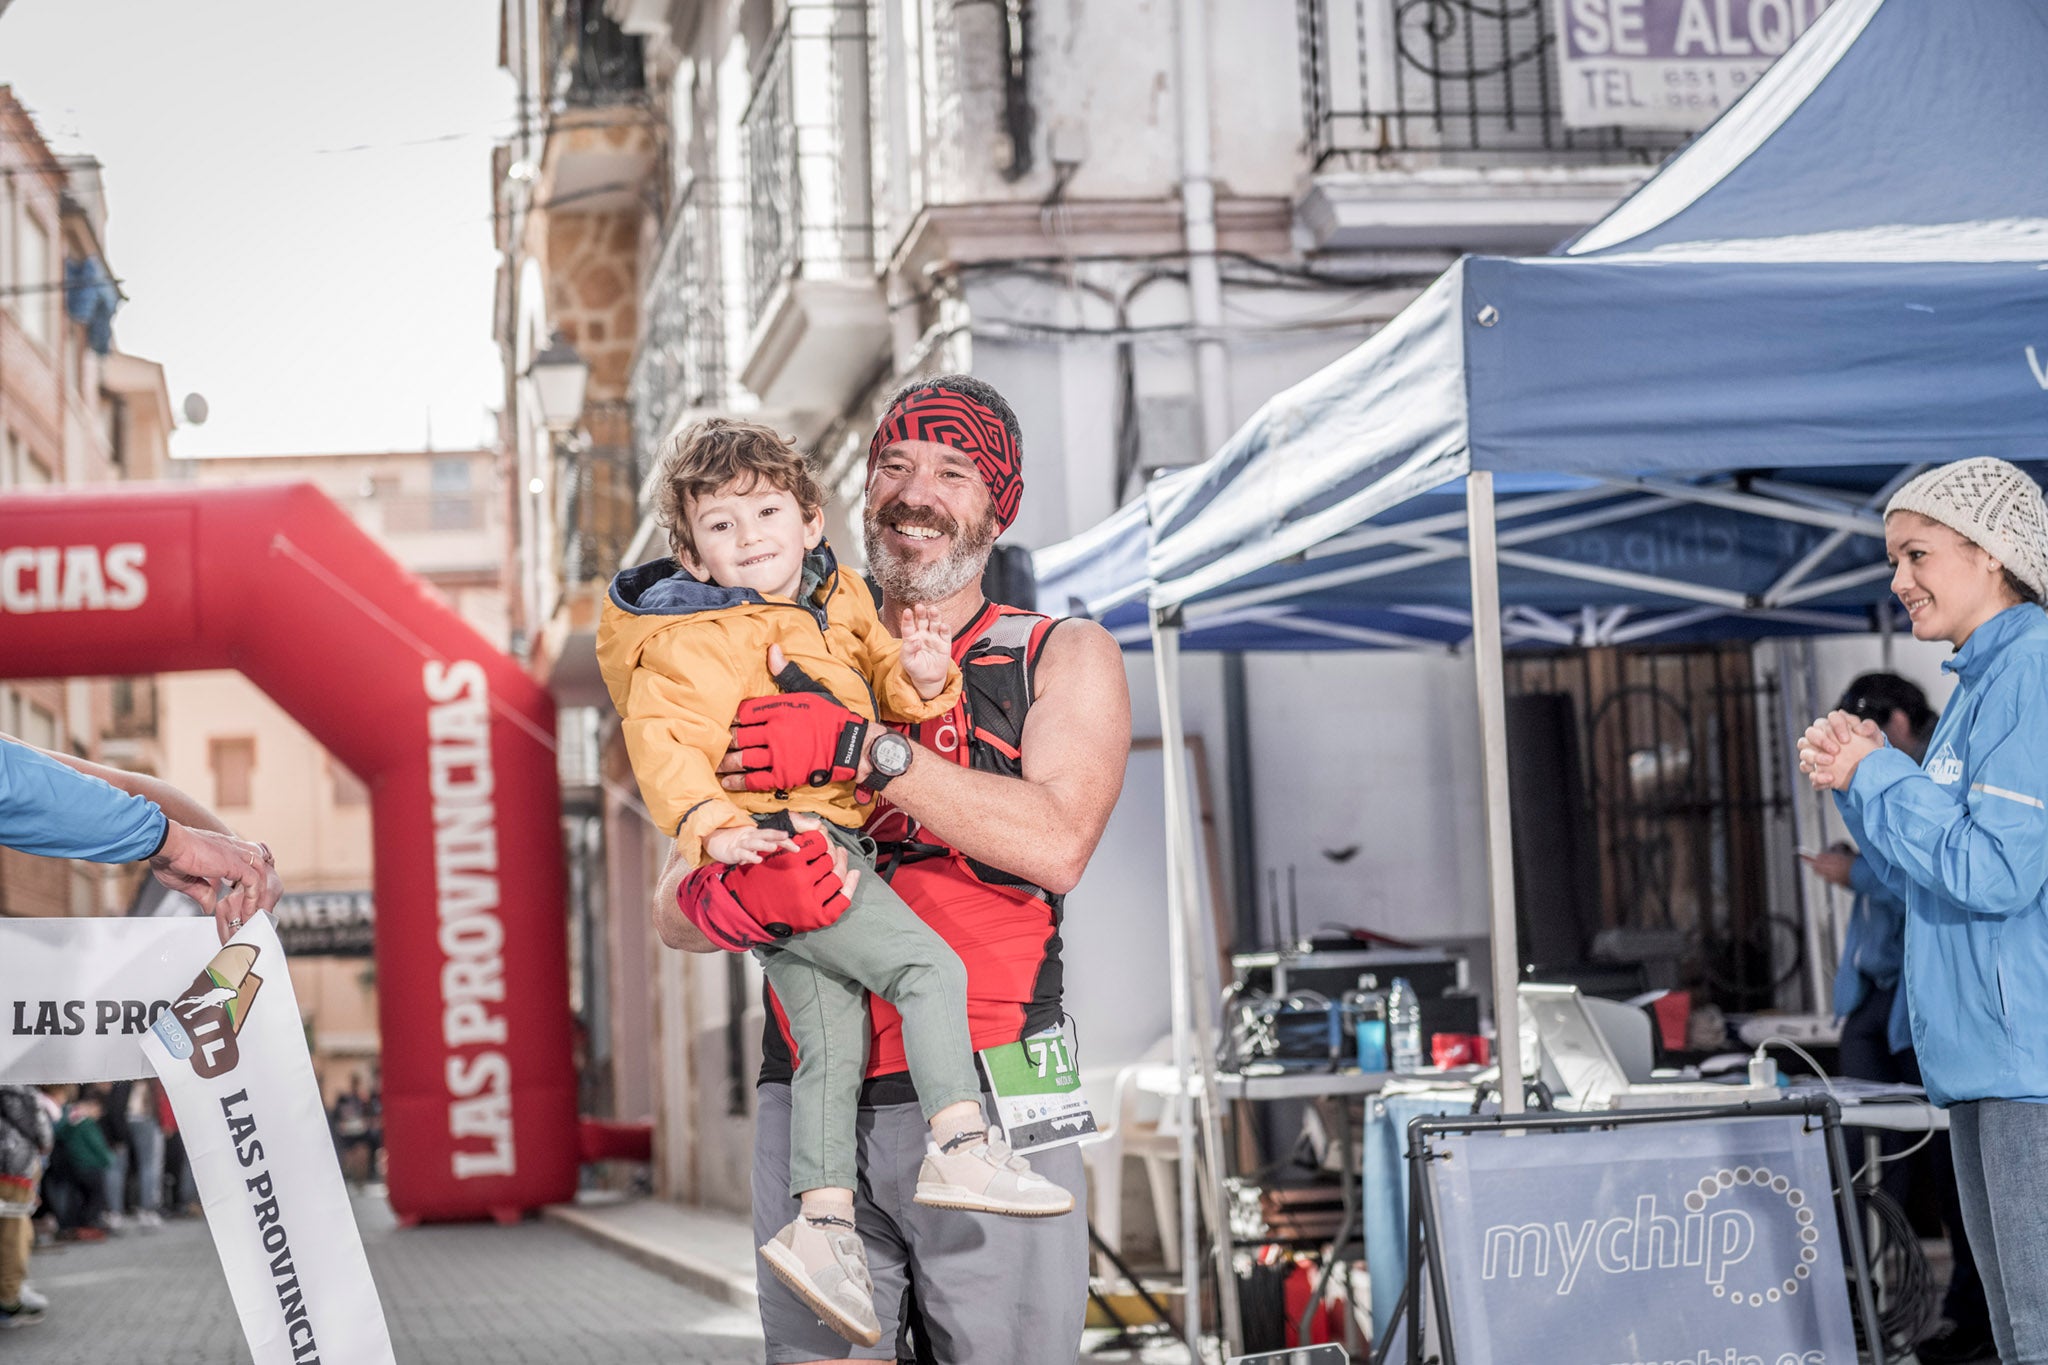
(716, 453)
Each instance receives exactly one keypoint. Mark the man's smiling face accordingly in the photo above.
(929, 521)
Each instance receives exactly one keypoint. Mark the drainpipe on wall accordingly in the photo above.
(1212, 377)
(992, 47)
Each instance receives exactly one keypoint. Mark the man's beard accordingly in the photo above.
(905, 580)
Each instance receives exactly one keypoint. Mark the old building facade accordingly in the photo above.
(1138, 220)
(74, 411)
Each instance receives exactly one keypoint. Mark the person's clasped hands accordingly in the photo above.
(1832, 747)
(231, 878)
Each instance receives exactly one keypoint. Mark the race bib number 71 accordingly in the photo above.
(1037, 1088)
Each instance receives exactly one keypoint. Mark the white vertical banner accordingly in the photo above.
(231, 1051)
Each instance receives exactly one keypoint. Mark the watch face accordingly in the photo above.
(891, 755)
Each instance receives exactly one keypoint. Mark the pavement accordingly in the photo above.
(605, 1281)
(712, 1254)
(457, 1294)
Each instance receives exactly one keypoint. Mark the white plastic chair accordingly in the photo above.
(1132, 1131)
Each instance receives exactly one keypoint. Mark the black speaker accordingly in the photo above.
(1557, 908)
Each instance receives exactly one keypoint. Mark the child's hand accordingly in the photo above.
(927, 653)
(744, 844)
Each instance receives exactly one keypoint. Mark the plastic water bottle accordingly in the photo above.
(1404, 1026)
(1367, 1007)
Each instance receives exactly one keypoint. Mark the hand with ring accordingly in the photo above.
(230, 878)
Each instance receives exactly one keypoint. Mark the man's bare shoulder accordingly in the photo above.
(1080, 653)
(1081, 694)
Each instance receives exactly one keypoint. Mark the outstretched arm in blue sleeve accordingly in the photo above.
(57, 812)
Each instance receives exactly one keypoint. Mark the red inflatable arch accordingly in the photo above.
(454, 740)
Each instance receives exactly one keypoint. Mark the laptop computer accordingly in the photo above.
(1597, 1054)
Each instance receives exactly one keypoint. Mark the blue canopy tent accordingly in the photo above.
(1685, 423)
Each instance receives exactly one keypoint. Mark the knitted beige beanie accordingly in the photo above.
(1992, 503)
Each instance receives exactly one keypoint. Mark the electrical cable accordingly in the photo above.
(1925, 1138)
(1829, 1083)
(1900, 1275)
(1821, 1072)
(1826, 1080)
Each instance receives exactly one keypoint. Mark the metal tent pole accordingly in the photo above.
(1816, 895)
(1194, 1038)
(1493, 737)
(1172, 742)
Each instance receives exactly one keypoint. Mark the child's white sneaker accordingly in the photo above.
(824, 1264)
(978, 1172)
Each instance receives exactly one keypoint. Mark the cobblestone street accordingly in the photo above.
(460, 1295)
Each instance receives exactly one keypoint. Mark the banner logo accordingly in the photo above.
(474, 1022)
(201, 1027)
(72, 578)
(1746, 1229)
(1946, 768)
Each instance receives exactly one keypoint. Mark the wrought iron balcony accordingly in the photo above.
(1462, 82)
(597, 513)
(809, 211)
(681, 364)
(596, 62)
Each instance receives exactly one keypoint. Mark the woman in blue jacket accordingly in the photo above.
(1963, 840)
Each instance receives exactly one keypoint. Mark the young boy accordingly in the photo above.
(682, 642)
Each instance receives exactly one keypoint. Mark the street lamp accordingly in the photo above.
(559, 376)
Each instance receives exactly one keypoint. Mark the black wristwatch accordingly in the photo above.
(888, 759)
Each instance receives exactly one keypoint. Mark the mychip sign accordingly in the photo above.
(329, 923)
(1668, 63)
(1707, 1243)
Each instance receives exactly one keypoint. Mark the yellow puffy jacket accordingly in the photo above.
(679, 655)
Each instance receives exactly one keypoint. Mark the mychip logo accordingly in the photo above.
(202, 1025)
(1788, 1224)
(1747, 1233)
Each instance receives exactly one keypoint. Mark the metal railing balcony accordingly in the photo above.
(681, 363)
(804, 133)
(597, 514)
(596, 63)
(1459, 82)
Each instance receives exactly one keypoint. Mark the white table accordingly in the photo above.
(1292, 1085)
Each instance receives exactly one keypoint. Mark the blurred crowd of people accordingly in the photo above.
(80, 1164)
(357, 1121)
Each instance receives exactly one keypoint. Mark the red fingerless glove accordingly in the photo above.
(746, 905)
(796, 740)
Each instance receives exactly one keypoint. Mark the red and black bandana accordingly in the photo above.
(945, 417)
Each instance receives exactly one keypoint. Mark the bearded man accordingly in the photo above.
(987, 817)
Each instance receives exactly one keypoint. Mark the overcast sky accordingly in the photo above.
(299, 204)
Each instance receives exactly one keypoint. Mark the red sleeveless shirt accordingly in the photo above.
(1005, 929)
